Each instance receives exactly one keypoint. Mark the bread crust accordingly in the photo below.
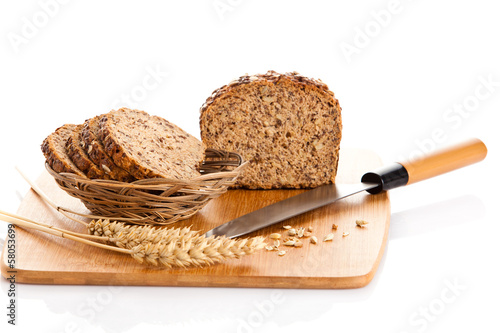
(81, 159)
(228, 107)
(54, 150)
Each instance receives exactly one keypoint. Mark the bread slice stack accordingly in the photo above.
(286, 125)
(124, 145)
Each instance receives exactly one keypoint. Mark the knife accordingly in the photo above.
(383, 179)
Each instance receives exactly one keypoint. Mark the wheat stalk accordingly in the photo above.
(26, 223)
(174, 247)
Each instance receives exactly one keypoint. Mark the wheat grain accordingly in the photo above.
(328, 238)
(361, 223)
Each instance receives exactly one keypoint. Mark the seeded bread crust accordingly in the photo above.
(288, 126)
(95, 150)
(78, 155)
(54, 150)
(150, 146)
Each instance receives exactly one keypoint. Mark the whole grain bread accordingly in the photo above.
(149, 146)
(54, 150)
(288, 126)
(80, 158)
(95, 150)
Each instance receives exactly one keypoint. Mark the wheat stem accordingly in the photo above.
(59, 233)
(45, 198)
(101, 238)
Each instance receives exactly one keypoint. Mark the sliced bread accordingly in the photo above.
(149, 146)
(288, 126)
(54, 150)
(80, 157)
(97, 154)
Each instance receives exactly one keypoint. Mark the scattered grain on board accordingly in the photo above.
(328, 238)
(361, 223)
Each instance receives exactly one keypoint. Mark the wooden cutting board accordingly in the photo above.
(347, 262)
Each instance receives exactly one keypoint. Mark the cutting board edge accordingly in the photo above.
(102, 279)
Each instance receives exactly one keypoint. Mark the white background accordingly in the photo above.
(409, 68)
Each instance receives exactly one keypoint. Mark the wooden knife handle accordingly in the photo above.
(435, 164)
(446, 160)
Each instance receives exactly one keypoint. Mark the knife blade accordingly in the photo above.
(288, 208)
(383, 179)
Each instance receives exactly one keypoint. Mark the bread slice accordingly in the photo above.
(54, 150)
(150, 146)
(288, 126)
(80, 158)
(95, 150)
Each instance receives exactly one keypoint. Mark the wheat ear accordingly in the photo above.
(174, 246)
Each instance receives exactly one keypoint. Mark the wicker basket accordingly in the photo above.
(157, 201)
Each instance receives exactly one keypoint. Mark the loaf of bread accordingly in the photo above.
(149, 146)
(124, 145)
(54, 150)
(288, 126)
